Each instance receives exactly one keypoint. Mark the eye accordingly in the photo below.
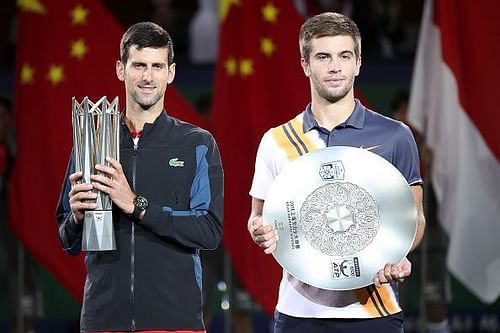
(346, 56)
(322, 56)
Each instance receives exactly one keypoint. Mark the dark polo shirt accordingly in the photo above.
(386, 137)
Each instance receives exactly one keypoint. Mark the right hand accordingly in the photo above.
(80, 196)
(265, 236)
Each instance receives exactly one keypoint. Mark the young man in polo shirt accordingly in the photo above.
(330, 46)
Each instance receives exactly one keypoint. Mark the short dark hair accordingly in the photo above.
(328, 24)
(146, 34)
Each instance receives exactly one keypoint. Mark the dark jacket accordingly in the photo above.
(153, 279)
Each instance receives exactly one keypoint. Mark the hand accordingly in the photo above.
(80, 197)
(115, 184)
(393, 272)
(264, 236)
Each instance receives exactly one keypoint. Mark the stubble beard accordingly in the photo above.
(333, 96)
(146, 102)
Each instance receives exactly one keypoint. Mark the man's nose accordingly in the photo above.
(334, 65)
(147, 74)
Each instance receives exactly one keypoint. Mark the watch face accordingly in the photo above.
(141, 203)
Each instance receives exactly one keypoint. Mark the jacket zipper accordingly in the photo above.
(132, 244)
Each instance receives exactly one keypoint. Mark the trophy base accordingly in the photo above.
(98, 231)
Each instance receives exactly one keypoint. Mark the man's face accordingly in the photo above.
(146, 75)
(332, 67)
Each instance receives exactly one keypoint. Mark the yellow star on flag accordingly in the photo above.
(231, 66)
(225, 6)
(246, 67)
(27, 74)
(78, 49)
(269, 13)
(33, 6)
(56, 74)
(267, 46)
(79, 15)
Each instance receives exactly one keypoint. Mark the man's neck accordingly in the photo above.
(135, 118)
(329, 115)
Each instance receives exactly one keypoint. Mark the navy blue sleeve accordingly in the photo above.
(406, 158)
(201, 225)
(70, 233)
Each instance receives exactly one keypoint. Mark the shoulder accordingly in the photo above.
(387, 124)
(373, 117)
(296, 123)
(188, 131)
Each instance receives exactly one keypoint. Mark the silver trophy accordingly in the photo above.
(96, 135)
(341, 214)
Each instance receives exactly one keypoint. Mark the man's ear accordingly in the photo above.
(171, 73)
(120, 70)
(358, 66)
(305, 67)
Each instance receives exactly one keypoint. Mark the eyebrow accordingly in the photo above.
(347, 51)
(144, 63)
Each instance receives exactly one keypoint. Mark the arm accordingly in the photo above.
(201, 225)
(417, 192)
(264, 236)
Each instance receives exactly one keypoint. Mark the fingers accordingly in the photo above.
(114, 163)
(81, 198)
(82, 202)
(109, 171)
(113, 170)
(391, 273)
(265, 236)
(101, 182)
(75, 177)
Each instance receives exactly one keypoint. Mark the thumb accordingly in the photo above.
(256, 222)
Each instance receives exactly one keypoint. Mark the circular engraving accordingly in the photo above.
(339, 218)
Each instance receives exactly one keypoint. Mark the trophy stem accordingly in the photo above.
(98, 232)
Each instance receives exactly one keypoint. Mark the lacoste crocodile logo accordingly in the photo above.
(176, 163)
(369, 148)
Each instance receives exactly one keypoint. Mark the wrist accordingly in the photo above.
(130, 208)
(75, 220)
(139, 209)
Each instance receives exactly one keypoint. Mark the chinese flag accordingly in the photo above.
(64, 49)
(259, 84)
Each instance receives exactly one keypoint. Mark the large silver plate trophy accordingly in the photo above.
(341, 214)
(96, 131)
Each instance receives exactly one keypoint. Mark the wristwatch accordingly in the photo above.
(140, 205)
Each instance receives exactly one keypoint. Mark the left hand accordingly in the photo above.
(115, 184)
(393, 272)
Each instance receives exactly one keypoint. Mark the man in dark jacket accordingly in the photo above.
(167, 195)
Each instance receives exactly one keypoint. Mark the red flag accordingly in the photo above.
(64, 49)
(452, 102)
(259, 84)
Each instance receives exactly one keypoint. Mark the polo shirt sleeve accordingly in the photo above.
(406, 158)
(265, 167)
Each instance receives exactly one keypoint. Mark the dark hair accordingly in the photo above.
(328, 24)
(146, 34)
